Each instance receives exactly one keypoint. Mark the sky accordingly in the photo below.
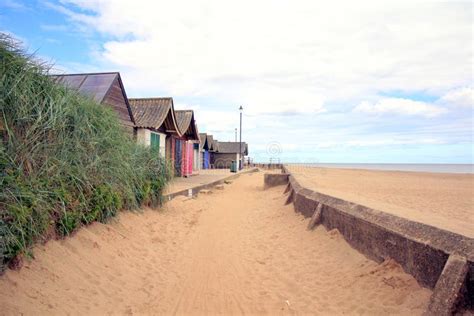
(319, 81)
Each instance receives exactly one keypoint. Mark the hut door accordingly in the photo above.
(206, 159)
(178, 158)
(155, 141)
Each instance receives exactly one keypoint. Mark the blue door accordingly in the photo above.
(205, 159)
(178, 157)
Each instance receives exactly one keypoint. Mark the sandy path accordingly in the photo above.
(444, 200)
(203, 177)
(235, 251)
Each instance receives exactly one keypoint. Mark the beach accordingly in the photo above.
(239, 250)
(443, 200)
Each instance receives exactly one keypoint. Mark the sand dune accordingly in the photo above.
(442, 200)
(235, 251)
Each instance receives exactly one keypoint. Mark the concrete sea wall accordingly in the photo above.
(437, 259)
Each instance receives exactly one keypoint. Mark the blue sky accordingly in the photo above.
(343, 82)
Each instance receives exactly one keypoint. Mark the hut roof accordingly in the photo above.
(203, 141)
(210, 142)
(232, 147)
(215, 145)
(154, 112)
(186, 124)
(94, 85)
(184, 118)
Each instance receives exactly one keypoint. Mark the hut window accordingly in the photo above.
(155, 141)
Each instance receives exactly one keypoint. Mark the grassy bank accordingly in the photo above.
(64, 159)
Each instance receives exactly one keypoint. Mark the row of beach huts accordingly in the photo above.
(155, 123)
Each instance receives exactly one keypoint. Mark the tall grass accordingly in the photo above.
(64, 159)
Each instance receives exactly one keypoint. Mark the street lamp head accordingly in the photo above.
(241, 108)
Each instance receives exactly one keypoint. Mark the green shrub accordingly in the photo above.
(64, 159)
(67, 223)
(104, 203)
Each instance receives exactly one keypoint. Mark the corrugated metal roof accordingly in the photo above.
(95, 85)
(150, 112)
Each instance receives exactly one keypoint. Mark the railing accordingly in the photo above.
(274, 163)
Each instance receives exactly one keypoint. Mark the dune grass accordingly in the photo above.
(65, 160)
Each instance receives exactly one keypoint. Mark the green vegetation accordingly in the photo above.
(64, 160)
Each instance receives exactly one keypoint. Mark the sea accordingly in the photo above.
(415, 167)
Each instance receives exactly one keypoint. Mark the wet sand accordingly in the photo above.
(443, 200)
(235, 251)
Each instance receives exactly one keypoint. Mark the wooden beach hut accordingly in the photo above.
(196, 145)
(211, 144)
(226, 152)
(214, 150)
(184, 145)
(155, 124)
(197, 157)
(105, 88)
(204, 151)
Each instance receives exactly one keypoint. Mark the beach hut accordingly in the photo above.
(196, 146)
(204, 151)
(226, 152)
(213, 152)
(185, 143)
(211, 143)
(155, 124)
(197, 157)
(105, 88)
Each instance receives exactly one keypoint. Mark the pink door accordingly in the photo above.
(188, 158)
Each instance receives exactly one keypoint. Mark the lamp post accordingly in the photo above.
(241, 162)
(236, 134)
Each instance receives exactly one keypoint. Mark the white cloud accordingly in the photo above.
(298, 68)
(13, 5)
(55, 27)
(462, 97)
(399, 106)
(221, 123)
(74, 67)
(281, 56)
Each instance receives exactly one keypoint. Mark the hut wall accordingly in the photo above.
(212, 158)
(168, 149)
(144, 138)
(173, 151)
(191, 157)
(162, 144)
(114, 99)
(178, 157)
(223, 161)
(197, 157)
